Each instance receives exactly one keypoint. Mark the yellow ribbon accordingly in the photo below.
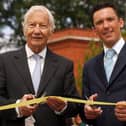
(24, 103)
(89, 102)
(43, 100)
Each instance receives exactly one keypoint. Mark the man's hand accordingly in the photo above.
(92, 112)
(56, 104)
(29, 109)
(120, 110)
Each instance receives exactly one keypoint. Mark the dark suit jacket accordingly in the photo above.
(15, 81)
(94, 81)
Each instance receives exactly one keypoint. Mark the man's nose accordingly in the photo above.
(105, 24)
(37, 28)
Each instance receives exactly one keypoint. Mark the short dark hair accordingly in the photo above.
(102, 6)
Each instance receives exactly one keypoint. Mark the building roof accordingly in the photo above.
(73, 33)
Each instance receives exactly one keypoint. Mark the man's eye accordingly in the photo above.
(31, 25)
(99, 22)
(43, 26)
(110, 19)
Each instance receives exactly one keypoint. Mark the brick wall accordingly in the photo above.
(73, 44)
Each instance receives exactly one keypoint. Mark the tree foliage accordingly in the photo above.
(94, 49)
(72, 13)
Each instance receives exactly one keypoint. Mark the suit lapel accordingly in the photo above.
(21, 64)
(49, 69)
(120, 64)
(100, 71)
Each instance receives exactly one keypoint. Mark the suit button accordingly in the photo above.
(108, 93)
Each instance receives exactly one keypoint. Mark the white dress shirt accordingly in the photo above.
(117, 47)
(31, 60)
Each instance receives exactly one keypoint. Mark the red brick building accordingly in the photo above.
(72, 43)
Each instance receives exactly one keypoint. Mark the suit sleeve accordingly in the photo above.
(4, 98)
(85, 93)
(70, 91)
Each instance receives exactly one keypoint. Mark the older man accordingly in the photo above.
(35, 71)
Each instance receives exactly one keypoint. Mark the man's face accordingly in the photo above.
(107, 26)
(37, 30)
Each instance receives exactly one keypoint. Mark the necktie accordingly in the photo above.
(36, 73)
(109, 63)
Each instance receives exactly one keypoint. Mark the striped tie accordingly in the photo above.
(109, 63)
(36, 73)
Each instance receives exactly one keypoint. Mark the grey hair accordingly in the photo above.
(42, 9)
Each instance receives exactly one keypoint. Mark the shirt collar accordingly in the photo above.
(117, 47)
(30, 53)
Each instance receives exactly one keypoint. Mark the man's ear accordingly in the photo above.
(121, 22)
(93, 28)
(23, 27)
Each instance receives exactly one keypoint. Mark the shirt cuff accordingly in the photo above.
(60, 112)
(17, 110)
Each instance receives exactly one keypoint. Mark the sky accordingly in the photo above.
(7, 31)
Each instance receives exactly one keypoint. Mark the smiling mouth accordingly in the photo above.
(37, 38)
(107, 32)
